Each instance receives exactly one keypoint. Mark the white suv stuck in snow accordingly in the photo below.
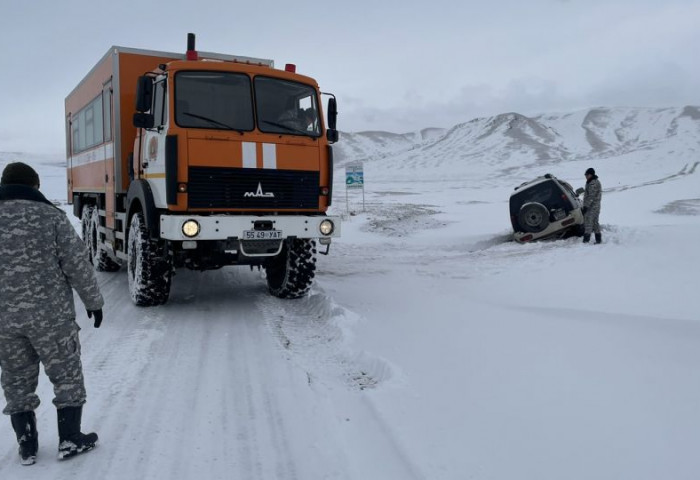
(545, 207)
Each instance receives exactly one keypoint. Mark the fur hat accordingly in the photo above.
(19, 173)
(590, 171)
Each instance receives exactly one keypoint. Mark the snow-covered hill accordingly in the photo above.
(373, 144)
(512, 144)
(431, 346)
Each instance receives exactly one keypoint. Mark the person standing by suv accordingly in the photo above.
(42, 260)
(591, 207)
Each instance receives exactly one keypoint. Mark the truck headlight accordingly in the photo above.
(326, 227)
(190, 228)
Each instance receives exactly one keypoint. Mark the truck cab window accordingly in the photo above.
(215, 100)
(286, 107)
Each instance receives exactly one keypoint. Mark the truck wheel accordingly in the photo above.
(533, 217)
(149, 266)
(291, 273)
(85, 219)
(98, 255)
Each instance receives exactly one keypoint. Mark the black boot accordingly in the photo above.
(71, 441)
(598, 238)
(25, 427)
(586, 237)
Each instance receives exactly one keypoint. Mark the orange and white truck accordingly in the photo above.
(200, 160)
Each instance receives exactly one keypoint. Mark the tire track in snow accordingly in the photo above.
(210, 400)
(199, 388)
(180, 391)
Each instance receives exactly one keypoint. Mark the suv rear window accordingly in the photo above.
(547, 193)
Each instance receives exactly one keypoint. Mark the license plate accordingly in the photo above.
(559, 214)
(262, 235)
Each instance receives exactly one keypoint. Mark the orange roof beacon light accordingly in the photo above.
(204, 161)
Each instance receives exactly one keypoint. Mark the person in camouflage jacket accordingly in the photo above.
(42, 259)
(591, 207)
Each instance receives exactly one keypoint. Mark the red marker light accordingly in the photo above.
(191, 52)
(290, 67)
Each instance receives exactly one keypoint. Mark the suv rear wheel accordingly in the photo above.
(533, 217)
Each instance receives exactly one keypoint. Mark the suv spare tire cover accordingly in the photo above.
(533, 217)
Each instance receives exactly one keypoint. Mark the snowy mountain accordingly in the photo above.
(377, 143)
(512, 144)
(431, 346)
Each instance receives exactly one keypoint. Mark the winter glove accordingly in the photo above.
(98, 316)
(584, 210)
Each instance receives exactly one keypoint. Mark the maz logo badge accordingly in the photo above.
(259, 193)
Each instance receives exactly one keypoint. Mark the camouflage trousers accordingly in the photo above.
(590, 221)
(57, 347)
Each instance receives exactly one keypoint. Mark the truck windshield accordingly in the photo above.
(217, 100)
(286, 107)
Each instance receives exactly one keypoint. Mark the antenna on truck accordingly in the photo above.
(191, 52)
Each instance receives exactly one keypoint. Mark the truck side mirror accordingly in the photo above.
(332, 135)
(144, 94)
(332, 113)
(144, 120)
(579, 191)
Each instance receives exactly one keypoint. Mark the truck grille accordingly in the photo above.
(252, 188)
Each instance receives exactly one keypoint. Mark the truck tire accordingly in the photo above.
(98, 255)
(149, 266)
(291, 273)
(533, 217)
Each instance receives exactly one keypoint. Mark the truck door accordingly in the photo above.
(152, 151)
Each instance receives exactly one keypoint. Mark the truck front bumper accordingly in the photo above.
(222, 227)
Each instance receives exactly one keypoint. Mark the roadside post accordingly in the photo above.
(354, 178)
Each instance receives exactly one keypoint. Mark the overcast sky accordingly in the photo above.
(394, 65)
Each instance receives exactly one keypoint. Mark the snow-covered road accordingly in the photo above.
(431, 347)
(211, 386)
